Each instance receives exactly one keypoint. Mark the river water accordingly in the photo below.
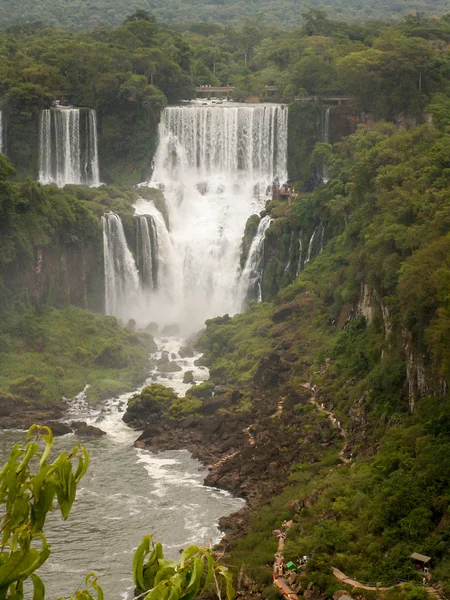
(126, 494)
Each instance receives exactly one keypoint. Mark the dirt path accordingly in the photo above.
(357, 584)
(332, 418)
(279, 581)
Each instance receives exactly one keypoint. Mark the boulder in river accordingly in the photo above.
(171, 330)
(82, 429)
(188, 377)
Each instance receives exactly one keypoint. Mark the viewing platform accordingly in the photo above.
(338, 100)
(225, 91)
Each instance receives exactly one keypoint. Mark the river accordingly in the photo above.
(127, 493)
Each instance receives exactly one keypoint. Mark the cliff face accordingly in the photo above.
(58, 274)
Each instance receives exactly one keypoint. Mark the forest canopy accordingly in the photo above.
(81, 14)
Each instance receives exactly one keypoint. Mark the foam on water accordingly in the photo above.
(127, 493)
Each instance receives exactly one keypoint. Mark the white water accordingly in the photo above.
(147, 252)
(288, 262)
(310, 245)
(326, 138)
(300, 254)
(215, 166)
(68, 147)
(1, 133)
(250, 284)
(121, 276)
(126, 494)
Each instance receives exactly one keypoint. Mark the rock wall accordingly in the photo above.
(422, 378)
(58, 274)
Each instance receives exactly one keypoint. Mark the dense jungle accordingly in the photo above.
(327, 403)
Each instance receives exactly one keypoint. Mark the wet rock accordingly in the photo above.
(152, 328)
(188, 377)
(171, 330)
(84, 430)
(186, 352)
(168, 367)
(200, 362)
(59, 428)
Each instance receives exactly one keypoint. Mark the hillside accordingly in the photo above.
(77, 14)
(330, 407)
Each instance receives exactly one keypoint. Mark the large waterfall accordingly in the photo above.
(215, 167)
(68, 146)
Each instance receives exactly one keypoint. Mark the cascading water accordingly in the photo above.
(310, 245)
(300, 253)
(288, 263)
(121, 275)
(1, 133)
(326, 138)
(250, 283)
(215, 166)
(147, 252)
(68, 147)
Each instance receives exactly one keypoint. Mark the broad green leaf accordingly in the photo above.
(138, 561)
(39, 587)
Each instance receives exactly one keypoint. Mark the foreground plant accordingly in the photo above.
(30, 485)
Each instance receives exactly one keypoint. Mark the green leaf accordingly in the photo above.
(39, 587)
(138, 561)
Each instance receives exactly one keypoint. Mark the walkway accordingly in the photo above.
(279, 581)
(357, 584)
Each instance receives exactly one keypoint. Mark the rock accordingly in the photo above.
(186, 352)
(284, 312)
(188, 377)
(168, 367)
(189, 422)
(152, 328)
(83, 429)
(200, 362)
(214, 403)
(270, 370)
(59, 428)
(171, 330)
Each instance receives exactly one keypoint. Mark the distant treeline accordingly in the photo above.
(129, 73)
(89, 14)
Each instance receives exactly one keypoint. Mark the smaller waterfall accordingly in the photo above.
(310, 245)
(121, 274)
(322, 234)
(288, 264)
(68, 147)
(250, 281)
(1, 133)
(300, 253)
(326, 138)
(147, 252)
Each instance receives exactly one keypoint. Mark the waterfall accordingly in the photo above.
(326, 138)
(68, 147)
(308, 255)
(252, 272)
(147, 252)
(322, 235)
(121, 274)
(300, 252)
(288, 264)
(1, 133)
(215, 166)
